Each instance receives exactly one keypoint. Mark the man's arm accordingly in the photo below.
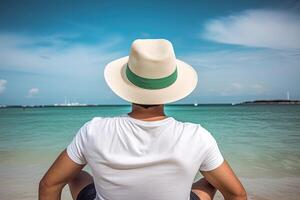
(224, 179)
(58, 175)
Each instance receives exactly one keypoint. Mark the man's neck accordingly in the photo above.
(148, 114)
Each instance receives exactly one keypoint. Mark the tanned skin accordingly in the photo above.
(64, 171)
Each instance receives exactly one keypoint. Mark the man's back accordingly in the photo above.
(135, 159)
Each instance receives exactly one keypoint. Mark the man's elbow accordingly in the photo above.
(238, 195)
(242, 195)
(43, 186)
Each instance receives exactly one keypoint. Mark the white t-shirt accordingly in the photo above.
(133, 159)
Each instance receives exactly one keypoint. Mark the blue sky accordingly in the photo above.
(54, 50)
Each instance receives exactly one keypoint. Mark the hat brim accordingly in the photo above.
(115, 77)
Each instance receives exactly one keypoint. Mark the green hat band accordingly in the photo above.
(150, 83)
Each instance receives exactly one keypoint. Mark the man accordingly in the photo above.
(143, 154)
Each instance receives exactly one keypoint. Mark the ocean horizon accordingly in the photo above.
(279, 101)
(260, 142)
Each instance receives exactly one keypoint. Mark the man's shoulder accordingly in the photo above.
(185, 124)
(189, 125)
(198, 129)
(103, 119)
(97, 125)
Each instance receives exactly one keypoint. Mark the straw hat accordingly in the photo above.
(151, 74)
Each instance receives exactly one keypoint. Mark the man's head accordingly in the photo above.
(151, 74)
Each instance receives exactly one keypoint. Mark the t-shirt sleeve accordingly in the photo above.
(213, 157)
(76, 148)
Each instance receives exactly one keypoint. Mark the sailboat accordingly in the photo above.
(195, 104)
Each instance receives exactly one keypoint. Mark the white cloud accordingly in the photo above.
(55, 54)
(257, 88)
(244, 58)
(33, 92)
(242, 89)
(240, 71)
(236, 86)
(256, 28)
(63, 64)
(2, 85)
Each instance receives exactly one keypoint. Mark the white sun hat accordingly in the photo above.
(151, 74)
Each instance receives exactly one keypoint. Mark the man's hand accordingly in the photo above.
(224, 179)
(58, 175)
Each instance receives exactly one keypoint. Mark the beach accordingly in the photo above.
(260, 142)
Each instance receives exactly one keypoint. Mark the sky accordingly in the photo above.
(56, 51)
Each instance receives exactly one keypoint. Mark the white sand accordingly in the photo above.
(21, 182)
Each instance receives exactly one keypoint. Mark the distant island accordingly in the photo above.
(271, 102)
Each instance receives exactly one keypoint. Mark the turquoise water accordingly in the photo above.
(259, 141)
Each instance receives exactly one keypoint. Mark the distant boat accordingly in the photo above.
(196, 104)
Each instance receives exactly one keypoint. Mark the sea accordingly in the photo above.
(260, 142)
